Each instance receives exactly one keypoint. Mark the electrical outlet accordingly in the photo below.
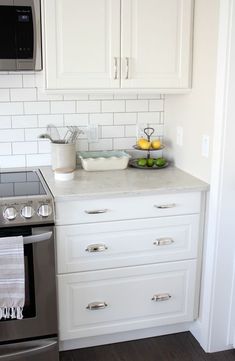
(205, 145)
(92, 133)
(179, 136)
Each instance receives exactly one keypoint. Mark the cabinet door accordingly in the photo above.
(125, 299)
(82, 44)
(156, 43)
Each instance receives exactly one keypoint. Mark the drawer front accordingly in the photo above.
(97, 303)
(126, 243)
(107, 209)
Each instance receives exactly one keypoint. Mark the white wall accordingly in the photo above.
(25, 111)
(195, 111)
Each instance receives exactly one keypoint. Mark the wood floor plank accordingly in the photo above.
(178, 347)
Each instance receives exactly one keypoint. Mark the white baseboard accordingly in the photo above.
(123, 336)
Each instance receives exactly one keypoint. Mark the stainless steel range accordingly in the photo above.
(26, 209)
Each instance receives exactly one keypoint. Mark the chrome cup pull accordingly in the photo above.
(97, 211)
(94, 306)
(92, 248)
(161, 297)
(163, 242)
(165, 206)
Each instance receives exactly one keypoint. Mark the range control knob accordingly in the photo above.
(10, 213)
(44, 210)
(27, 212)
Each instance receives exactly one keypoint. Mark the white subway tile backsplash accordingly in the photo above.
(149, 117)
(10, 161)
(24, 121)
(62, 107)
(5, 122)
(29, 81)
(37, 107)
(23, 94)
(101, 119)
(25, 148)
(31, 134)
(4, 95)
(38, 160)
(5, 149)
(26, 110)
(124, 143)
(113, 106)
(130, 131)
(42, 95)
(45, 120)
(125, 118)
(76, 119)
(11, 135)
(11, 108)
(90, 106)
(103, 144)
(136, 105)
(156, 105)
(113, 131)
(44, 146)
(11, 81)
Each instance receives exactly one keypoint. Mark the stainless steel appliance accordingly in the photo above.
(20, 35)
(26, 208)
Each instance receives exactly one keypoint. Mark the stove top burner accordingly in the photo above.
(18, 184)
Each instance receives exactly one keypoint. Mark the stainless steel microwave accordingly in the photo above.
(20, 35)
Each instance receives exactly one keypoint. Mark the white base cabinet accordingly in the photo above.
(121, 271)
(114, 44)
(103, 302)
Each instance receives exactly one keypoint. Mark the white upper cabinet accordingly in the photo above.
(82, 43)
(114, 44)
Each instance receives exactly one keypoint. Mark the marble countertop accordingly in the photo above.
(122, 183)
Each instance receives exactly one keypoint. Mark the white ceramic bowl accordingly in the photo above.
(106, 160)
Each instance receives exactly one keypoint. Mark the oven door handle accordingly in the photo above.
(38, 238)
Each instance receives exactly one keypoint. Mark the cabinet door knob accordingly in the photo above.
(97, 211)
(115, 68)
(161, 297)
(92, 248)
(165, 206)
(163, 242)
(93, 306)
(127, 67)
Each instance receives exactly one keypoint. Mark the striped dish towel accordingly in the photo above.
(12, 279)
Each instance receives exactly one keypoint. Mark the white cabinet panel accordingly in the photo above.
(156, 41)
(82, 41)
(128, 299)
(126, 243)
(113, 209)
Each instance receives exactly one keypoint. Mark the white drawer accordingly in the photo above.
(131, 299)
(126, 243)
(113, 209)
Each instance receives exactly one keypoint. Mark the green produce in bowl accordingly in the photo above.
(160, 162)
(150, 162)
(142, 162)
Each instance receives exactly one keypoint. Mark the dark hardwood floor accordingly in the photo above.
(177, 347)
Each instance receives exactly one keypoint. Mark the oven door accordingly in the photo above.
(40, 316)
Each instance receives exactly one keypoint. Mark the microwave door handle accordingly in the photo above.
(38, 238)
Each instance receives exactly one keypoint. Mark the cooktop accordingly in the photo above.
(17, 184)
